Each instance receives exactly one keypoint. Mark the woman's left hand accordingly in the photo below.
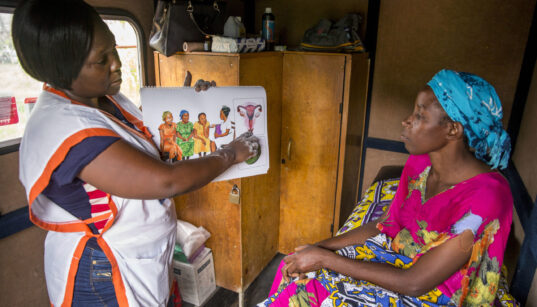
(306, 258)
(200, 85)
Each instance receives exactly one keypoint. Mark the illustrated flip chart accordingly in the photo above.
(186, 124)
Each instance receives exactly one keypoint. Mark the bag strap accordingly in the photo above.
(190, 12)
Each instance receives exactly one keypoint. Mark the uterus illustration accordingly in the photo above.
(250, 112)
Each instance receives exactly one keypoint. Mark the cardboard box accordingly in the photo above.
(196, 280)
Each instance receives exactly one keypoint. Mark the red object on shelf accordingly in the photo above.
(8, 111)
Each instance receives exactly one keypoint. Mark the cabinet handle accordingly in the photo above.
(289, 145)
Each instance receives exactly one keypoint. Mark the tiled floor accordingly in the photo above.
(256, 292)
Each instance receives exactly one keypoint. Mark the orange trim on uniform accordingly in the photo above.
(134, 120)
(144, 135)
(73, 269)
(56, 159)
(49, 88)
(131, 118)
(60, 227)
(113, 208)
(117, 280)
(98, 218)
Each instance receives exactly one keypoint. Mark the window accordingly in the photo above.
(17, 85)
(130, 55)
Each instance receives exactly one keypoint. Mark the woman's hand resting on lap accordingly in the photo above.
(307, 258)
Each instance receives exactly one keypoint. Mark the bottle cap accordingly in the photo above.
(268, 10)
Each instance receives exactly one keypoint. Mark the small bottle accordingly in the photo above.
(268, 29)
(207, 43)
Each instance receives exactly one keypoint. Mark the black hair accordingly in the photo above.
(202, 113)
(53, 38)
(226, 110)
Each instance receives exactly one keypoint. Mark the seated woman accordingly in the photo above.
(443, 238)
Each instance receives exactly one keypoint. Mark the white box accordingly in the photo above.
(196, 280)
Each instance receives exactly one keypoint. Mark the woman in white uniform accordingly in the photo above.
(223, 133)
(92, 173)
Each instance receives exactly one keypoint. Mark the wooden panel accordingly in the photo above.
(312, 93)
(353, 122)
(260, 209)
(221, 68)
(532, 296)
(22, 279)
(12, 191)
(377, 159)
(210, 207)
(417, 38)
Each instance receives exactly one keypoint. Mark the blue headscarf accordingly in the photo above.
(182, 113)
(473, 102)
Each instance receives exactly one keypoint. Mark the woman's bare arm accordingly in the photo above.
(429, 271)
(352, 237)
(125, 171)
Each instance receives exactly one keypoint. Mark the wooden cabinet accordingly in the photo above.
(244, 238)
(323, 115)
(316, 109)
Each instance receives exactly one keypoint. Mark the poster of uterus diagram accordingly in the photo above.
(186, 124)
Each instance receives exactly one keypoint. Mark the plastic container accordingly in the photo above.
(234, 27)
(268, 26)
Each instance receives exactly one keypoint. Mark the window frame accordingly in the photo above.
(8, 6)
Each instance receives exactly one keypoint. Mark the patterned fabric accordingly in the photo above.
(482, 204)
(307, 292)
(314, 291)
(473, 102)
(346, 291)
(375, 201)
(100, 208)
(185, 130)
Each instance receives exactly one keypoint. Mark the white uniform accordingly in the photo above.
(225, 139)
(139, 236)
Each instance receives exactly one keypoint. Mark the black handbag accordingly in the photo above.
(179, 21)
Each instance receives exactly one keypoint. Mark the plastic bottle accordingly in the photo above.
(231, 28)
(207, 43)
(268, 28)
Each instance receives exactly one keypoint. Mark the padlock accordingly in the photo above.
(235, 195)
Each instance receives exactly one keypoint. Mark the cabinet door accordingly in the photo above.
(311, 123)
(209, 206)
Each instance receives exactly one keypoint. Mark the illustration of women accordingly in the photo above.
(185, 133)
(170, 151)
(202, 144)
